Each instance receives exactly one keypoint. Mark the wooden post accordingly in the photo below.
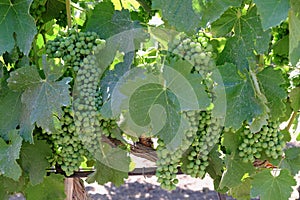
(69, 186)
(74, 189)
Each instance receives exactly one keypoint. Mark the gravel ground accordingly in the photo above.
(139, 187)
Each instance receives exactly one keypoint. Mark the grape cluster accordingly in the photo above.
(87, 117)
(207, 136)
(168, 160)
(73, 47)
(196, 50)
(279, 32)
(268, 140)
(37, 9)
(68, 150)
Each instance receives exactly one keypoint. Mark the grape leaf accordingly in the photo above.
(34, 163)
(242, 191)
(294, 32)
(225, 23)
(26, 127)
(242, 104)
(272, 12)
(15, 19)
(267, 186)
(108, 22)
(117, 28)
(281, 47)
(9, 153)
(43, 97)
(180, 15)
(248, 37)
(9, 186)
(270, 81)
(216, 164)
(215, 8)
(51, 188)
(189, 85)
(231, 141)
(153, 103)
(109, 81)
(10, 106)
(291, 161)
(295, 98)
(235, 170)
(112, 165)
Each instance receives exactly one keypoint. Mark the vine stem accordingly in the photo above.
(68, 9)
(255, 82)
(144, 4)
(292, 118)
(120, 1)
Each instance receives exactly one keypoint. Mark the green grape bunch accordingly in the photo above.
(268, 141)
(67, 147)
(196, 50)
(72, 47)
(169, 160)
(207, 137)
(192, 155)
(87, 117)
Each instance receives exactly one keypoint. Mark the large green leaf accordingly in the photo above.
(10, 111)
(43, 97)
(267, 186)
(152, 104)
(270, 81)
(294, 30)
(248, 37)
(34, 162)
(242, 104)
(272, 12)
(215, 8)
(9, 153)
(235, 170)
(112, 165)
(178, 14)
(15, 19)
(292, 160)
(51, 188)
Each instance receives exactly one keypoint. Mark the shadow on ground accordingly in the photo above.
(136, 190)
